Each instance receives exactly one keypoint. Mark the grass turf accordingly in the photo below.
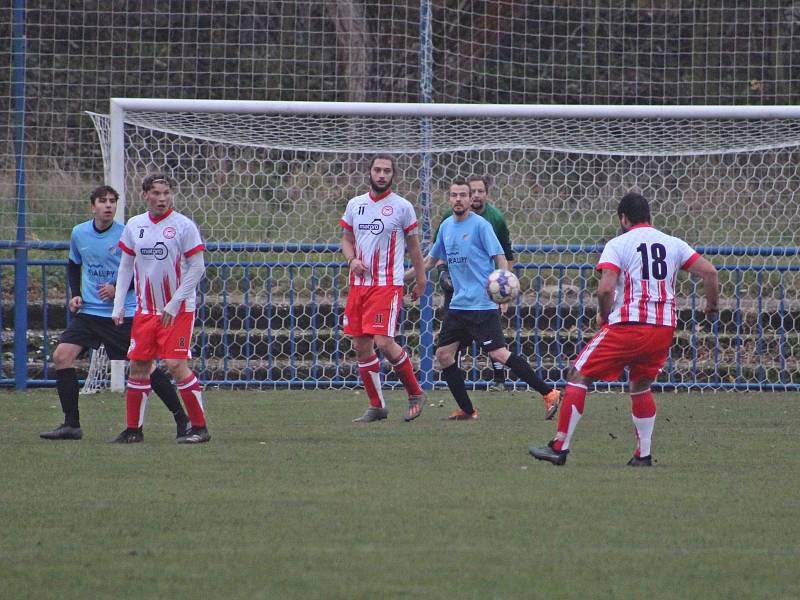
(292, 500)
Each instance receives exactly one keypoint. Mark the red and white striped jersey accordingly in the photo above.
(380, 225)
(159, 247)
(647, 261)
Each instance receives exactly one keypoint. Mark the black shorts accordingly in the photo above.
(466, 326)
(90, 331)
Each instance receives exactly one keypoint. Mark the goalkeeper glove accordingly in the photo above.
(445, 283)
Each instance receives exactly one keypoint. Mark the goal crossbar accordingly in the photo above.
(390, 109)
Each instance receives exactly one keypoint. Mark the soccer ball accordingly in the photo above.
(502, 286)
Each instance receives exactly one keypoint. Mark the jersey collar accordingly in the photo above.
(98, 230)
(161, 218)
(639, 226)
(381, 197)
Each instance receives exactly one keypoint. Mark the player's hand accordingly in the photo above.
(419, 289)
(357, 267)
(75, 303)
(106, 292)
(167, 319)
(504, 308)
(445, 282)
(118, 319)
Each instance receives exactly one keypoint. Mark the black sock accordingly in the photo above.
(455, 381)
(162, 386)
(499, 372)
(68, 388)
(520, 367)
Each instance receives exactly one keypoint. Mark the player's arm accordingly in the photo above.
(74, 281)
(427, 264)
(195, 268)
(124, 278)
(357, 266)
(419, 265)
(500, 262)
(708, 273)
(605, 295)
(504, 237)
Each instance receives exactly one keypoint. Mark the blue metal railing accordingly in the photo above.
(761, 354)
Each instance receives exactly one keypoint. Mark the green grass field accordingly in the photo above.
(292, 500)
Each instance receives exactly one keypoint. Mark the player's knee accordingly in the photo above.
(177, 368)
(63, 358)
(499, 355)
(445, 357)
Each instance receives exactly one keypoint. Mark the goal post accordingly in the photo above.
(267, 181)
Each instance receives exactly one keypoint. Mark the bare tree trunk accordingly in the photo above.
(349, 20)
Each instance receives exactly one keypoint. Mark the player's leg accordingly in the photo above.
(381, 316)
(137, 392)
(451, 336)
(645, 364)
(142, 350)
(68, 389)
(117, 341)
(498, 376)
(643, 414)
(604, 357)
(369, 365)
(174, 347)
(192, 395)
(162, 385)
(400, 360)
(369, 370)
(572, 408)
(446, 355)
(523, 371)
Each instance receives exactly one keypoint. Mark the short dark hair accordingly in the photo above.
(483, 178)
(383, 156)
(153, 178)
(635, 207)
(458, 181)
(103, 191)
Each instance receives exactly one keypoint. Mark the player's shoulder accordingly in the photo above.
(491, 210)
(136, 220)
(479, 221)
(182, 218)
(82, 227)
(400, 201)
(358, 199)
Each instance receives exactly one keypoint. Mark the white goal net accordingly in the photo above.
(267, 183)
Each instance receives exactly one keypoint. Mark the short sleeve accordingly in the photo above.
(686, 254)
(437, 250)
(126, 242)
(490, 241)
(609, 258)
(74, 253)
(192, 242)
(409, 222)
(347, 218)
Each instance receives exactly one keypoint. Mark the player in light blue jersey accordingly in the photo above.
(94, 257)
(469, 246)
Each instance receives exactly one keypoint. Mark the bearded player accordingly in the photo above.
(378, 227)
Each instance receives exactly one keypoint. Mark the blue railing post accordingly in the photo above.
(21, 251)
(426, 95)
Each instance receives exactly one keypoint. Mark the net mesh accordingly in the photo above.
(272, 310)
